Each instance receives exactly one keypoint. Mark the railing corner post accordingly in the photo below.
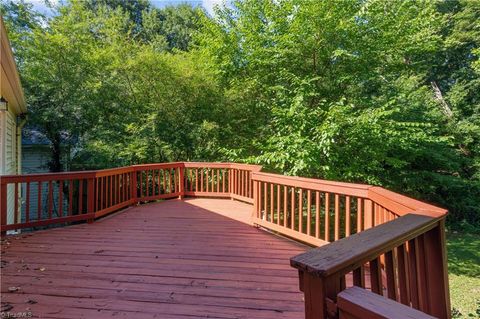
(437, 274)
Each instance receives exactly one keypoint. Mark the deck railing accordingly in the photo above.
(34, 200)
(376, 240)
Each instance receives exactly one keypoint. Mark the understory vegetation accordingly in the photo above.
(378, 92)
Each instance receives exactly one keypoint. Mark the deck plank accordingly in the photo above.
(173, 259)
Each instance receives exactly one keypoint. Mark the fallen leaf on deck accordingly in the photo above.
(5, 307)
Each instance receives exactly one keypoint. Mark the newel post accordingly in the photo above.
(3, 208)
(319, 286)
(91, 197)
(437, 274)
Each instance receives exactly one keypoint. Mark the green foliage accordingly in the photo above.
(464, 273)
(345, 92)
(380, 92)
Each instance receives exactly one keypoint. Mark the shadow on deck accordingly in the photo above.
(172, 259)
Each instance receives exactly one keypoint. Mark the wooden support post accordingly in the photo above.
(314, 296)
(437, 274)
(320, 294)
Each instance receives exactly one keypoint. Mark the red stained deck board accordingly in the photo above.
(173, 259)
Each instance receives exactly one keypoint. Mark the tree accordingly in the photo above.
(173, 26)
(344, 90)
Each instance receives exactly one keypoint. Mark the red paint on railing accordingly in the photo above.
(378, 235)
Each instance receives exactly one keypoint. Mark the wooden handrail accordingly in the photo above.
(347, 254)
(360, 190)
(398, 237)
(402, 204)
(358, 303)
(93, 194)
(406, 261)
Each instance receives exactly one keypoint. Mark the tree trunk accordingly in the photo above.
(55, 164)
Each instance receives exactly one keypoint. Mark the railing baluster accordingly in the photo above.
(317, 214)
(278, 204)
(390, 274)
(347, 216)
(70, 198)
(80, 196)
(421, 273)
(27, 203)
(367, 214)
(223, 180)
(196, 179)
(147, 183)
(285, 206)
(359, 215)
(60, 198)
(300, 210)
(337, 217)
(97, 195)
(119, 188)
(309, 212)
(39, 202)
(50, 199)
(412, 276)
(292, 212)
(259, 200)
(376, 276)
(403, 280)
(265, 198)
(213, 180)
(327, 216)
(15, 207)
(359, 277)
(271, 203)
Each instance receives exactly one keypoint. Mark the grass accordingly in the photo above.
(464, 274)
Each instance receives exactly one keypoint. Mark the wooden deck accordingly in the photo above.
(172, 259)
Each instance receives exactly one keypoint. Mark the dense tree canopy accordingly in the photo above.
(381, 92)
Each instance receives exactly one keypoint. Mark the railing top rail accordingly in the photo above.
(37, 177)
(344, 255)
(366, 304)
(250, 167)
(6, 179)
(395, 202)
(360, 190)
(140, 167)
(402, 204)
